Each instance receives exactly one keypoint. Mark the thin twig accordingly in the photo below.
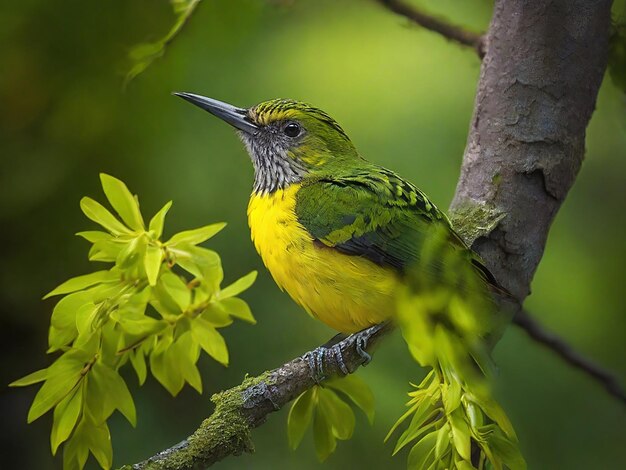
(242, 408)
(567, 353)
(450, 31)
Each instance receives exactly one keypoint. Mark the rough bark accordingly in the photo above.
(539, 81)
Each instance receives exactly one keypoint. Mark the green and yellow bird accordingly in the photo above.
(356, 245)
(337, 232)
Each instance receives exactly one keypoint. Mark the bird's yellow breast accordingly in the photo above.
(348, 293)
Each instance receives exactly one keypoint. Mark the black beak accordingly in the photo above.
(236, 117)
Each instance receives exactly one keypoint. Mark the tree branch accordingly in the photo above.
(242, 408)
(538, 85)
(539, 81)
(569, 355)
(449, 31)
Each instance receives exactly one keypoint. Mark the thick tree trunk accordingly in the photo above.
(539, 81)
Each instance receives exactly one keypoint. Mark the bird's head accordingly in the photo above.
(287, 140)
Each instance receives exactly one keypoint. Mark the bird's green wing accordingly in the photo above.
(377, 215)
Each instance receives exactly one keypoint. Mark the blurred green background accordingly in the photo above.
(404, 95)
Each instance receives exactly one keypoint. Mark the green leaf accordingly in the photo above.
(106, 250)
(187, 352)
(144, 54)
(507, 450)
(138, 361)
(238, 286)
(58, 338)
(85, 316)
(339, 414)
(443, 441)
(496, 413)
(357, 390)
(76, 450)
(94, 236)
(62, 377)
(195, 236)
(176, 289)
(460, 434)
(66, 416)
(131, 253)
(82, 282)
(416, 427)
(122, 200)
(140, 325)
(64, 312)
(156, 223)
(100, 215)
(107, 391)
(202, 263)
(217, 315)
(164, 367)
(209, 339)
(152, 263)
(423, 452)
(238, 308)
(323, 437)
(452, 396)
(299, 418)
(98, 439)
(32, 378)
(464, 465)
(423, 388)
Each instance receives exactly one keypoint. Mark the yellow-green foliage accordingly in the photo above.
(160, 303)
(330, 413)
(447, 316)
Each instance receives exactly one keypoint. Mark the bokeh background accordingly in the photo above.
(404, 95)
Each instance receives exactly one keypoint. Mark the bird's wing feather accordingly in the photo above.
(374, 214)
(379, 216)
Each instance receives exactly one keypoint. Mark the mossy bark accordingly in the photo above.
(246, 406)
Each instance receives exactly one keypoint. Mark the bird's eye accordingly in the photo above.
(292, 130)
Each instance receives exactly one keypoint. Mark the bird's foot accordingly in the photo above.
(361, 339)
(361, 344)
(331, 351)
(316, 359)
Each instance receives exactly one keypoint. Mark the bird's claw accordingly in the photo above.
(331, 351)
(315, 360)
(361, 344)
(336, 350)
(363, 336)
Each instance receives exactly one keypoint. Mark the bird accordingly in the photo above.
(358, 246)
(337, 232)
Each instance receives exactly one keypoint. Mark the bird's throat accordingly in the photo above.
(274, 169)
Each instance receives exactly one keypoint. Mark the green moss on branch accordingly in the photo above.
(473, 220)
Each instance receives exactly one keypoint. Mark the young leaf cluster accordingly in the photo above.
(446, 420)
(328, 409)
(447, 318)
(157, 306)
